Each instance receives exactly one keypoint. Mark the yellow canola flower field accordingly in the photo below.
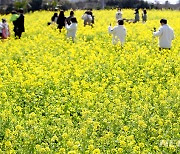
(90, 97)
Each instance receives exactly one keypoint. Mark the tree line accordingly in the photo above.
(128, 3)
(33, 5)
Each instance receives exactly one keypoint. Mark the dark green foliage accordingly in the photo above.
(36, 4)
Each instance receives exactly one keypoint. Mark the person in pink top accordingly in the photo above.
(4, 29)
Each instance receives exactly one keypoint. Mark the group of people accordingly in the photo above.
(165, 32)
(70, 23)
(136, 17)
(17, 19)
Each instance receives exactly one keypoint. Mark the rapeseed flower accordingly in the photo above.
(90, 96)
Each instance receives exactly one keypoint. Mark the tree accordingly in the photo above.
(36, 4)
(128, 3)
(22, 4)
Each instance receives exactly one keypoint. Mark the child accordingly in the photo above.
(14, 16)
(4, 29)
(119, 32)
(72, 28)
(1, 27)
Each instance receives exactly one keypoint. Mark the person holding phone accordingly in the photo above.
(165, 34)
(118, 32)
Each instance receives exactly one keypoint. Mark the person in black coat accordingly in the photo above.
(68, 19)
(54, 18)
(20, 25)
(61, 20)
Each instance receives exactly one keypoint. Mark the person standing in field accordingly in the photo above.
(91, 14)
(61, 20)
(136, 15)
(14, 17)
(119, 33)
(87, 17)
(1, 29)
(4, 29)
(68, 20)
(72, 28)
(165, 34)
(144, 15)
(118, 14)
(20, 24)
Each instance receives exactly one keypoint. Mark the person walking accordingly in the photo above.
(72, 28)
(165, 34)
(119, 33)
(61, 20)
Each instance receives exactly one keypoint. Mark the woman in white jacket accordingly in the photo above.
(72, 28)
(119, 32)
(165, 34)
